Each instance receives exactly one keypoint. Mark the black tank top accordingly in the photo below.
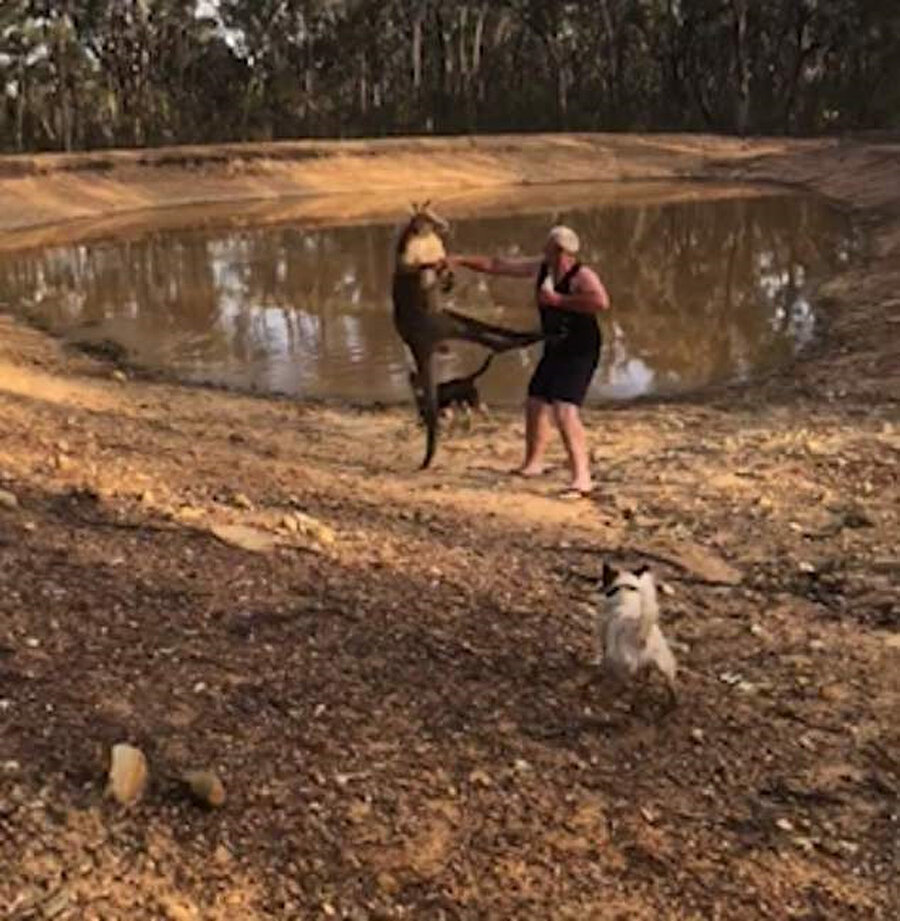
(571, 330)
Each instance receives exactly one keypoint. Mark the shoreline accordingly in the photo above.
(80, 196)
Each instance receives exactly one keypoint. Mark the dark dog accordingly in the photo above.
(457, 393)
(421, 273)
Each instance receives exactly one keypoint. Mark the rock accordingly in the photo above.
(833, 693)
(784, 824)
(857, 518)
(697, 736)
(705, 564)
(119, 376)
(175, 909)
(189, 514)
(804, 843)
(480, 778)
(127, 774)
(55, 905)
(222, 855)
(206, 788)
(241, 500)
(651, 816)
(246, 538)
(359, 811)
(8, 500)
(311, 527)
(387, 883)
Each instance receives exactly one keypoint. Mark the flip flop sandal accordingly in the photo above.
(516, 472)
(571, 494)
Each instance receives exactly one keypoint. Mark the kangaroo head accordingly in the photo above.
(421, 244)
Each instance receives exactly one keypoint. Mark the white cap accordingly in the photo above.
(565, 238)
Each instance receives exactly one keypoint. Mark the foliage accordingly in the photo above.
(77, 74)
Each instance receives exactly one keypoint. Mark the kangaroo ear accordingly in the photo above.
(609, 574)
(641, 570)
(426, 205)
(414, 207)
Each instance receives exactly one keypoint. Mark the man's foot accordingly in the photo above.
(577, 491)
(529, 471)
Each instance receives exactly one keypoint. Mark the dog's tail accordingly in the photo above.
(483, 367)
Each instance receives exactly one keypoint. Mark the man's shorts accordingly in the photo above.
(563, 376)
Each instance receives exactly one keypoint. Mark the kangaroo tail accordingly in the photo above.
(428, 385)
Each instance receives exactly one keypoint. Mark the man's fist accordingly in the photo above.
(549, 298)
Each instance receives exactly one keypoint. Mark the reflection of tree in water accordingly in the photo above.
(156, 289)
(701, 291)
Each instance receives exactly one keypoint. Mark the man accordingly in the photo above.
(569, 295)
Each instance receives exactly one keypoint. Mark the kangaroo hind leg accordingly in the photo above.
(496, 338)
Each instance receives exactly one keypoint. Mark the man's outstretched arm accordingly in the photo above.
(495, 265)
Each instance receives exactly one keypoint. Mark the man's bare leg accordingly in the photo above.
(572, 431)
(537, 433)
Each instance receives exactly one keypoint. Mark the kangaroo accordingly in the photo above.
(460, 391)
(421, 275)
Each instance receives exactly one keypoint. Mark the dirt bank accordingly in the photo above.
(398, 698)
(51, 188)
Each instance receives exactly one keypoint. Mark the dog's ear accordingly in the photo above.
(641, 570)
(609, 574)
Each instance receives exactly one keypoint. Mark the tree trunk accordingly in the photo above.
(417, 50)
(562, 94)
(476, 88)
(21, 101)
(611, 57)
(742, 67)
(478, 38)
(363, 85)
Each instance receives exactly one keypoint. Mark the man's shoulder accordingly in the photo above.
(586, 277)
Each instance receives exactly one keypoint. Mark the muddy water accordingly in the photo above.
(702, 290)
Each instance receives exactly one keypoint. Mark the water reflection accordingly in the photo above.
(702, 291)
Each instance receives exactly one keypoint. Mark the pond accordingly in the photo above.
(705, 287)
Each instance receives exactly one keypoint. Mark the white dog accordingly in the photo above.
(627, 627)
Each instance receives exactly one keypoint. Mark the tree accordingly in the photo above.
(87, 73)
